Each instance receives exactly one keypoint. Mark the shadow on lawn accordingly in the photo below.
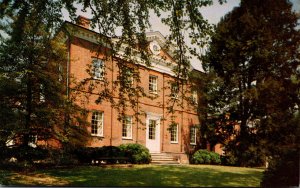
(159, 176)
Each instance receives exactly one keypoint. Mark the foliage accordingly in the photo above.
(132, 153)
(206, 157)
(137, 153)
(31, 83)
(129, 20)
(84, 154)
(252, 60)
(283, 170)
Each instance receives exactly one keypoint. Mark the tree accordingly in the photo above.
(255, 53)
(35, 105)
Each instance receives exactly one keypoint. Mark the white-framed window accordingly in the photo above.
(127, 127)
(129, 77)
(98, 69)
(152, 129)
(174, 133)
(60, 73)
(193, 135)
(174, 90)
(32, 141)
(153, 84)
(194, 96)
(42, 93)
(97, 124)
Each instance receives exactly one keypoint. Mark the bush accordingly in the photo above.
(27, 153)
(62, 157)
(84, 155)
(283, 170)
(205, 157)
(215, 158)
(138, 154)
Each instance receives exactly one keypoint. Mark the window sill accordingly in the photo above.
(193, 144)
(126, 138)
(174, 142)
(98, 79)
(153, 92)
(99, 136)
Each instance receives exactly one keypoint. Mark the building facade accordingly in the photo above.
(156, 128)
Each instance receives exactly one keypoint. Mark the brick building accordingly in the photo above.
(153, 130)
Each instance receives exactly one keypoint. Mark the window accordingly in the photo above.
(174, 133)
(97, 124)
(60, 73)
(174, 90)
(129, 76)
(42, 93)
(193, 135)
(98, 69)
(32, 141)
(127, 127)
(152, 129)
(152, 84)
(194, 97)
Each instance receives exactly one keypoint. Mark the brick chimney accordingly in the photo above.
(83, 22)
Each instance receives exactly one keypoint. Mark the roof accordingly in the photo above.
(92, 36)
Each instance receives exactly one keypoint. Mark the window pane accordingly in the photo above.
(152, 83)
(193, 135)
(98, 69)
(194, 97)
(97, 124)
(152, 128)
(174, 90)
(127, 127)
(174, 133)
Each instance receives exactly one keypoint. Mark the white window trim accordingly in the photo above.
(33, 141)
(195, 135)
(174, 142)
(127, 137)
(194, 96)
(155, 86)
(102, 131)
(155, 127)
(103, 69)
(42, 93)
(174, 93)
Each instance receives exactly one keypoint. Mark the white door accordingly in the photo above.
(153, 133)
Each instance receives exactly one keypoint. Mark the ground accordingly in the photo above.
(138, 175)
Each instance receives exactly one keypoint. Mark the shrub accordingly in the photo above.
(62, 157)
(138, 154)
(215, 158)
(109, 152)
(205, 157)
(283, 170)
(84, 155)
(27, 153)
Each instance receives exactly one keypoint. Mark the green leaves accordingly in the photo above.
(253, 53)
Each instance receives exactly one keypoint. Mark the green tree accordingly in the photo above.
(33, 89)
(255, 53)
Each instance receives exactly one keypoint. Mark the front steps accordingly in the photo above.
(163, 158)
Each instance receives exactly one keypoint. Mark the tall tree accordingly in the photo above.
(255, 53)
(32, 83)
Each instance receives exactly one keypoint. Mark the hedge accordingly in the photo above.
(205, 157)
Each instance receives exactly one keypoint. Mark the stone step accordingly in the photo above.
(163, 158)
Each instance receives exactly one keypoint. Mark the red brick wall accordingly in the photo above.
(81, 53)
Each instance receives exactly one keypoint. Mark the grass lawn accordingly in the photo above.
(139, 175)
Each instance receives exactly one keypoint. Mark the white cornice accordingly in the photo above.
(157, 62)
